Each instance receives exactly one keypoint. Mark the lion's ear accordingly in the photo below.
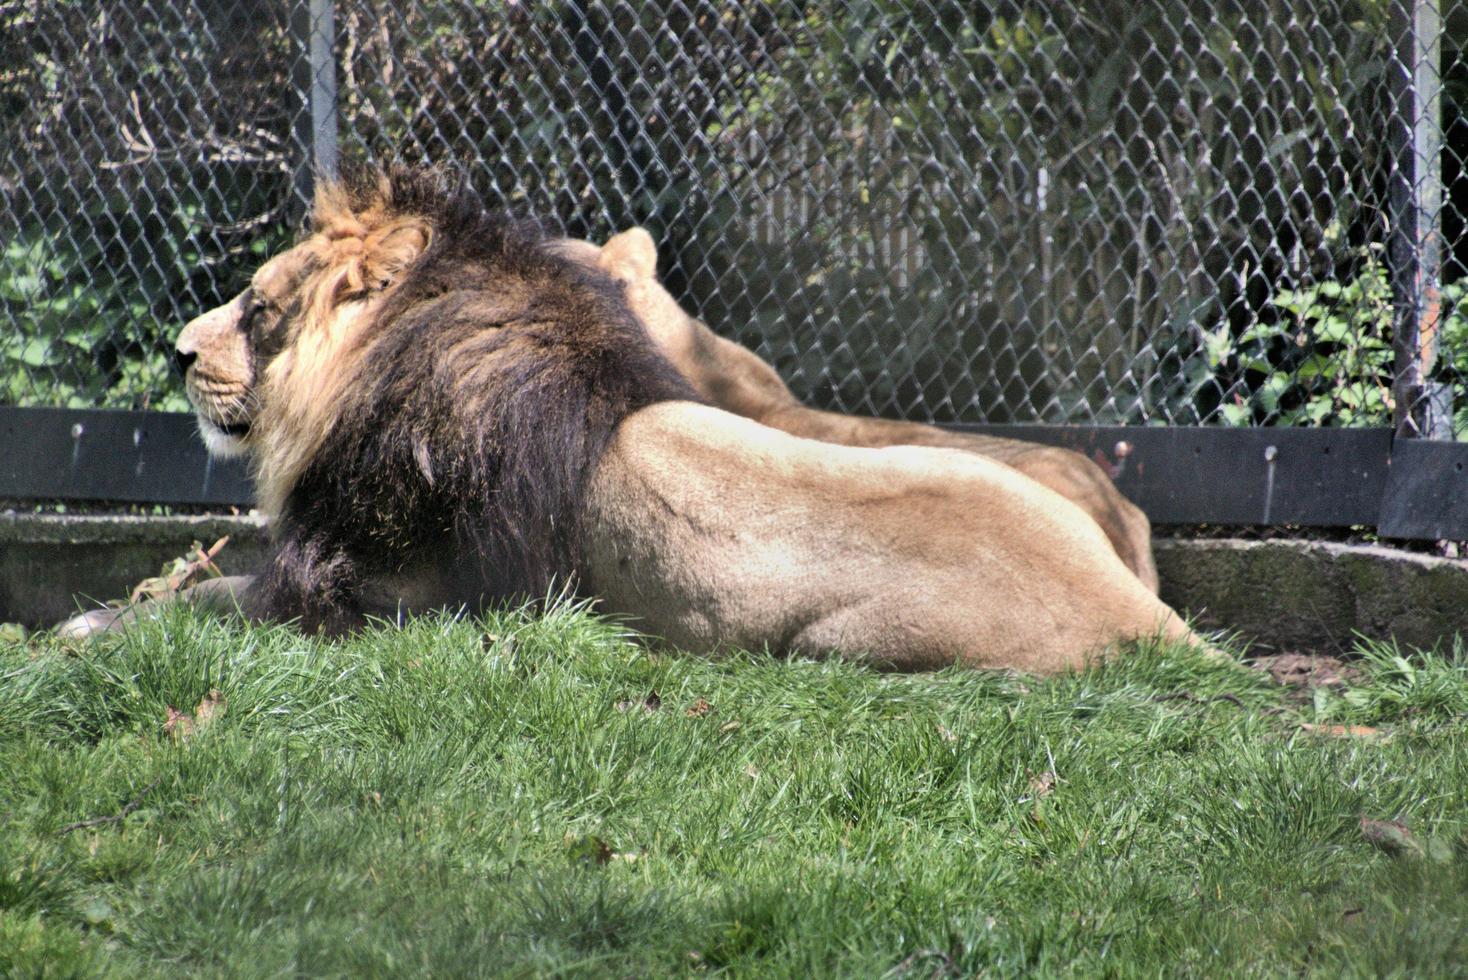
(630, 255)
(394, 249)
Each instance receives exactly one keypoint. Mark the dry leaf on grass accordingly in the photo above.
(1344, 731)
(1043, 784)
(1396, 838)
(1391, 836)
(181, 725)
(1307, 670)
(699, 708)
(181, 572)
(649, 704)
(178, 723)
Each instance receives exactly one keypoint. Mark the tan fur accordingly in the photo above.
(700, 526)
(300, 393)
(737, 380)
(715, 531)
(338, 276)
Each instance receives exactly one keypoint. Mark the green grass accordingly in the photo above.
(505, 798)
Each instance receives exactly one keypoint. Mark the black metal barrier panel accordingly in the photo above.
(1405, 488)
(100, 454)
(1426, 491)
(1210, 475)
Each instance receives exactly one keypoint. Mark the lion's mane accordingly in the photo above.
(472, 405)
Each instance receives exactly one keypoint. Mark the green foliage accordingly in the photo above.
(1337, 336)
(1322, 354)
(80, 339)
(144, 174)
(1402, 686)
(507, 798)
(94, 313)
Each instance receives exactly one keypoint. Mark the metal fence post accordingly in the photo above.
(1423, 407)
(314, 29)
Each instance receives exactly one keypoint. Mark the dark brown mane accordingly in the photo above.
(489, 385)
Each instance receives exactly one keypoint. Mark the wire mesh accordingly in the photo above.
(1068, 211)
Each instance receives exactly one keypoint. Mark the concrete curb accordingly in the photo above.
(1315, 596)
(1279, 594)
(51, 565)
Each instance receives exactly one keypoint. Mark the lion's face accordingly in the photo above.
(266, 372)
(225, 351)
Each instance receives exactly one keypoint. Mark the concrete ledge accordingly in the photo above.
(53, 564)
(1315, 596)
(1282, 595)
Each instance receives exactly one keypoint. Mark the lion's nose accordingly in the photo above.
(183, 358)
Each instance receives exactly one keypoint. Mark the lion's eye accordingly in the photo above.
(256, 318)
(248, 314)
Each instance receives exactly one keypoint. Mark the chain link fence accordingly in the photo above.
(1070, 211)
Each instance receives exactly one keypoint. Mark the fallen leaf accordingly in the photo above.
(698, 708)
(1344, 731)
(590, 849)
(945, 734)
(1043, 784)
(1391, 836)
(649, 704)
(1307, 670)
(181, 725)
(728, 726)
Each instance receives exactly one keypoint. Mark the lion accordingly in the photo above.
(738, 380)
(442, 410)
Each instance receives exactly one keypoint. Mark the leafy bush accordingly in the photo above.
(1322, 354)
(93, 315)
(145, 167)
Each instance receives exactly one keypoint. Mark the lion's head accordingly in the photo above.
(419, 374)
(725, 373)
(265, 371)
